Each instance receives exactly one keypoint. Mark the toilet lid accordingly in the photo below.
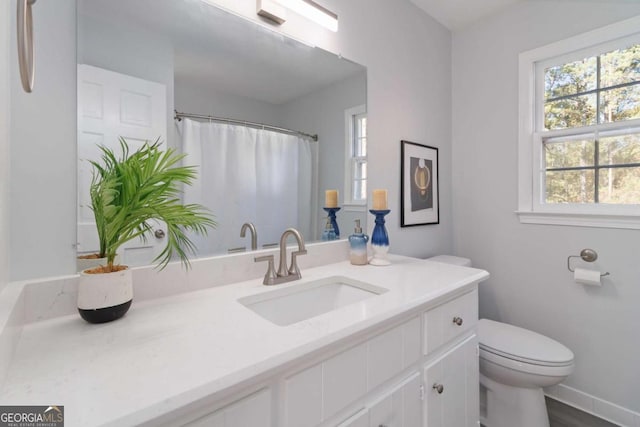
(521, 344)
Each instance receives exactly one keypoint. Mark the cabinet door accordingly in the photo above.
(400, 407)
(452, 388)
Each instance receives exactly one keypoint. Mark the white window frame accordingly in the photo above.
(531, 209)
(349, 203)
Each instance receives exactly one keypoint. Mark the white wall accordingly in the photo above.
(530, 285)
(322, 112)
(43, 148)
(4, 142)
(408, 60)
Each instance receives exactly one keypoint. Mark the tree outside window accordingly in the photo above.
(590, 155)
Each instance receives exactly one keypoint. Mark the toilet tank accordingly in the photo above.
(450, 259)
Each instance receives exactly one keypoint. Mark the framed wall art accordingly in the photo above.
(419, 185)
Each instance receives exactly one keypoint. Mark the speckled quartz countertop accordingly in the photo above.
(168, 352)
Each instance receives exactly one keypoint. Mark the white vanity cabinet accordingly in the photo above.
(451, 370)
(420, 370)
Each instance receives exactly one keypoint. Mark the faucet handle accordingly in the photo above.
(270, 276)
(293, 269)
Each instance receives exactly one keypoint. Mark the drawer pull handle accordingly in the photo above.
(438, 387)
(458, 321)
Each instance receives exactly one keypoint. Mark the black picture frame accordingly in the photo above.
(419, 184)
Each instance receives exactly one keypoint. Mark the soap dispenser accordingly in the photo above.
(329, 233)
(358, 241)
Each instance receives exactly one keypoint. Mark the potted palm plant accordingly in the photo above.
(128, 192)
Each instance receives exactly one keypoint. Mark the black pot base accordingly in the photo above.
(105, 314)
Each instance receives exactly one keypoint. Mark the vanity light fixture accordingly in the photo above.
(313, 11)
(272, 10)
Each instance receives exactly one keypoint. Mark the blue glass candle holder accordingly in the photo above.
(380, 239)
(332, 217)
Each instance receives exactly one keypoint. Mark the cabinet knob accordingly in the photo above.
(458, 320)
(159, 233)
(438, 387)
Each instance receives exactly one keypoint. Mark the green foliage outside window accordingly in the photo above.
(597, 167)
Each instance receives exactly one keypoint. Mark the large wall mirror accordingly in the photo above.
(140, 61)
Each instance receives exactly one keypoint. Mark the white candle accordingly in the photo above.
(380, 200)
(331, 199)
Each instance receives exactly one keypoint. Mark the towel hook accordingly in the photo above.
(587, 255)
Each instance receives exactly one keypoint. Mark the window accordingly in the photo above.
(579, 145)
(356, 155)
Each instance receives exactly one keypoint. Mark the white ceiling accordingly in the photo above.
(456, 14)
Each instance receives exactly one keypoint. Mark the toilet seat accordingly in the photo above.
(527, 368)
(521, 349)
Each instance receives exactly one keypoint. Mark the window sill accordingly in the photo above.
(631, 222)
(355, 207)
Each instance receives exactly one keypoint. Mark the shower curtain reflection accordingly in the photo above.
(249, 175)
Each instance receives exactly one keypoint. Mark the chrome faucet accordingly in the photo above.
(284, 274)
(254, 234)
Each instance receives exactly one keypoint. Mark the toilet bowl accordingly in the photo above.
(515, 364)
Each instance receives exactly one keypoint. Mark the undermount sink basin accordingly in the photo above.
(306, 300)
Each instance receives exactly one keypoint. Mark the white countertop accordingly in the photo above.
(168, 352)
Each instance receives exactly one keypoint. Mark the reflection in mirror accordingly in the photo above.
(139, 61)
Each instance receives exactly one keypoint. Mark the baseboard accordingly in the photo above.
(594, 405)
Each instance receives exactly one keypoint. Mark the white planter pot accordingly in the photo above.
(104, 297)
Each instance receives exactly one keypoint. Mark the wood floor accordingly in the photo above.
(561, 415)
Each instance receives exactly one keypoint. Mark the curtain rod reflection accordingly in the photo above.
(179, 116)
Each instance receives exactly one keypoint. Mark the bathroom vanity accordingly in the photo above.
(404, 353)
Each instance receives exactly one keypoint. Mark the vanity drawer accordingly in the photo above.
(449, 320)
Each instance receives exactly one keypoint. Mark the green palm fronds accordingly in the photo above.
(128, 192)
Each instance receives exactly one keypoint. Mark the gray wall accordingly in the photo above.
(530, 285)
(43, 148)
(4, 143)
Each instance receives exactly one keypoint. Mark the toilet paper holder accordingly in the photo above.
(587, 255)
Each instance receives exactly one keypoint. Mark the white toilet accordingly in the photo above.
(515, 364)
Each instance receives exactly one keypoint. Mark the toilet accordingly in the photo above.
(515, 364)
